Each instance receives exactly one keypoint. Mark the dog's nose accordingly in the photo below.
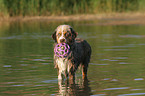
(62, 40)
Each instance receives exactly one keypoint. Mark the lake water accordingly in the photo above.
(117, 66)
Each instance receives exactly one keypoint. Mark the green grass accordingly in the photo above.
(67, 7)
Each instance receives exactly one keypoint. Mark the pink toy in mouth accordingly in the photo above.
(62, 50)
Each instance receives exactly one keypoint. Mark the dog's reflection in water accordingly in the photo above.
(70, 88)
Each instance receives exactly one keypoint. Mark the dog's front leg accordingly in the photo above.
(71, 77)
(59, 75)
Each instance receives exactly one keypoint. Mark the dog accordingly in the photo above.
(80, 53)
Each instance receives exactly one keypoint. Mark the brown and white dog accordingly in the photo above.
(80, 53)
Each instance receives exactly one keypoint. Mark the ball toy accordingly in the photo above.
(62, 50)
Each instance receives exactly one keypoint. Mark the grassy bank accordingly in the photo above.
(12, 8)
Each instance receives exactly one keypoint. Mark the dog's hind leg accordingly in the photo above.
(85, 65)
(84, 70)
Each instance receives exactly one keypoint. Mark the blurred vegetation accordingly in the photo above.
(67, 7)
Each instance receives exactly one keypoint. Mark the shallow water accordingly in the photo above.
(117, 66)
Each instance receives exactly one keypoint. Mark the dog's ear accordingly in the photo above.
(54, 36)
(74, 34)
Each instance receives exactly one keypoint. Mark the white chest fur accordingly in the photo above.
(63, 65)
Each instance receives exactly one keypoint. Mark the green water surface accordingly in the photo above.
(117, 66)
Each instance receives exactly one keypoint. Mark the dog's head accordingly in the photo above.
(64, 34)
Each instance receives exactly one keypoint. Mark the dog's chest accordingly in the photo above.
(63, 64)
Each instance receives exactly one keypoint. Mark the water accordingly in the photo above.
(117, 66)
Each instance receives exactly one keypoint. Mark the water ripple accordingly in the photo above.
(7, 66)
(18, 85)
(50, 81)
(138, 79)
(117, 88)
(131, 94)
(98, 64)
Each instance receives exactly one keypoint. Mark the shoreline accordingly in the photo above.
(112, 19)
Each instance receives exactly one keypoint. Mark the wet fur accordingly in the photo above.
(80, 52)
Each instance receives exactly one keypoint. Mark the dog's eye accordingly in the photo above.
(59, 34)
(67, 34)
